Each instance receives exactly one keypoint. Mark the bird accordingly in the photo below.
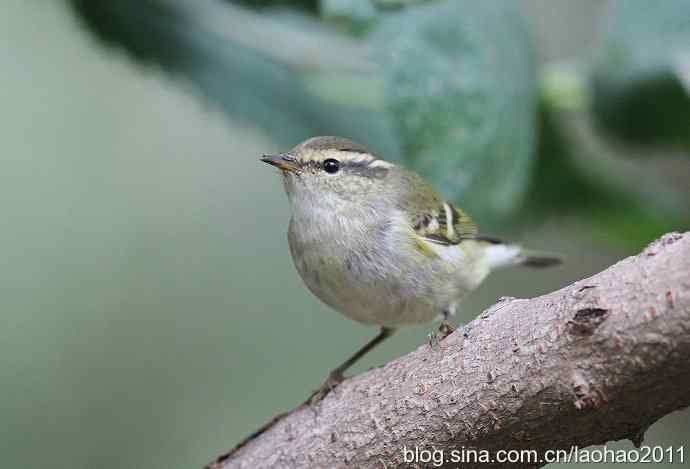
(375, 242)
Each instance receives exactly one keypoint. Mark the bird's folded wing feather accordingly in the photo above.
(433, 219)
(444, 224)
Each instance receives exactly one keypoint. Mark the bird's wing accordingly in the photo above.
(433, 219)
(443, 224)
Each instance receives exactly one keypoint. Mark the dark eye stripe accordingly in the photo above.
(353, 150)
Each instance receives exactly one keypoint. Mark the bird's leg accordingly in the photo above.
(446, 328)
(336, 377)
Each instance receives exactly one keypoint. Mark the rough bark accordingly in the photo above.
(599, 360)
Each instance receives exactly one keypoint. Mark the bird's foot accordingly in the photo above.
(333, 380)
(444, 330)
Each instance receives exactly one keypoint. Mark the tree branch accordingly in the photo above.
(599, 360)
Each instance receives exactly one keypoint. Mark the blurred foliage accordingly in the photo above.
(641, 81)
(590, 192)
(461, 90)
(353, 14)
(358, 14)
(447, 87)
(308, 5)
(454, 91)
(207, 43)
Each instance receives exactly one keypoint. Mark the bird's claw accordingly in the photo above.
(333, 380)
(444, 330)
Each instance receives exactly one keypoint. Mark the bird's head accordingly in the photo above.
(329, 172)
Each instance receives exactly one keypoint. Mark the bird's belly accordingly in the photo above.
(381, 278)
(366, 296)
(377, 287)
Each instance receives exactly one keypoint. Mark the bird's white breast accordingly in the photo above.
(367, 267)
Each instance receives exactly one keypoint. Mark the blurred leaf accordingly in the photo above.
(641, 82)
(307, 5)
(460, 84)
(449, 82)
(253, 66)
(355, 12)
(563, 86)
(356, 16)
(595, 194)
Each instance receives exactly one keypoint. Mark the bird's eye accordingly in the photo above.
(331, 166)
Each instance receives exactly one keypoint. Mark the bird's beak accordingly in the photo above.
(282, 161)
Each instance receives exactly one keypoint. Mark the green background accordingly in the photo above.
(150, 313)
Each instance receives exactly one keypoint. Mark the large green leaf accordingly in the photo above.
(451, 83)
(266, 69)
(460, 85)
(641, 82)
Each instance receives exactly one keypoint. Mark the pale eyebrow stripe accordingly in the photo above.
(380, 164)
(365, 159)
(360, 158)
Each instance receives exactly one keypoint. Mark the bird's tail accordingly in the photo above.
(538, 259)
(499, 255)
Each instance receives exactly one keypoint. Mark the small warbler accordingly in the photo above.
(375, 242)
